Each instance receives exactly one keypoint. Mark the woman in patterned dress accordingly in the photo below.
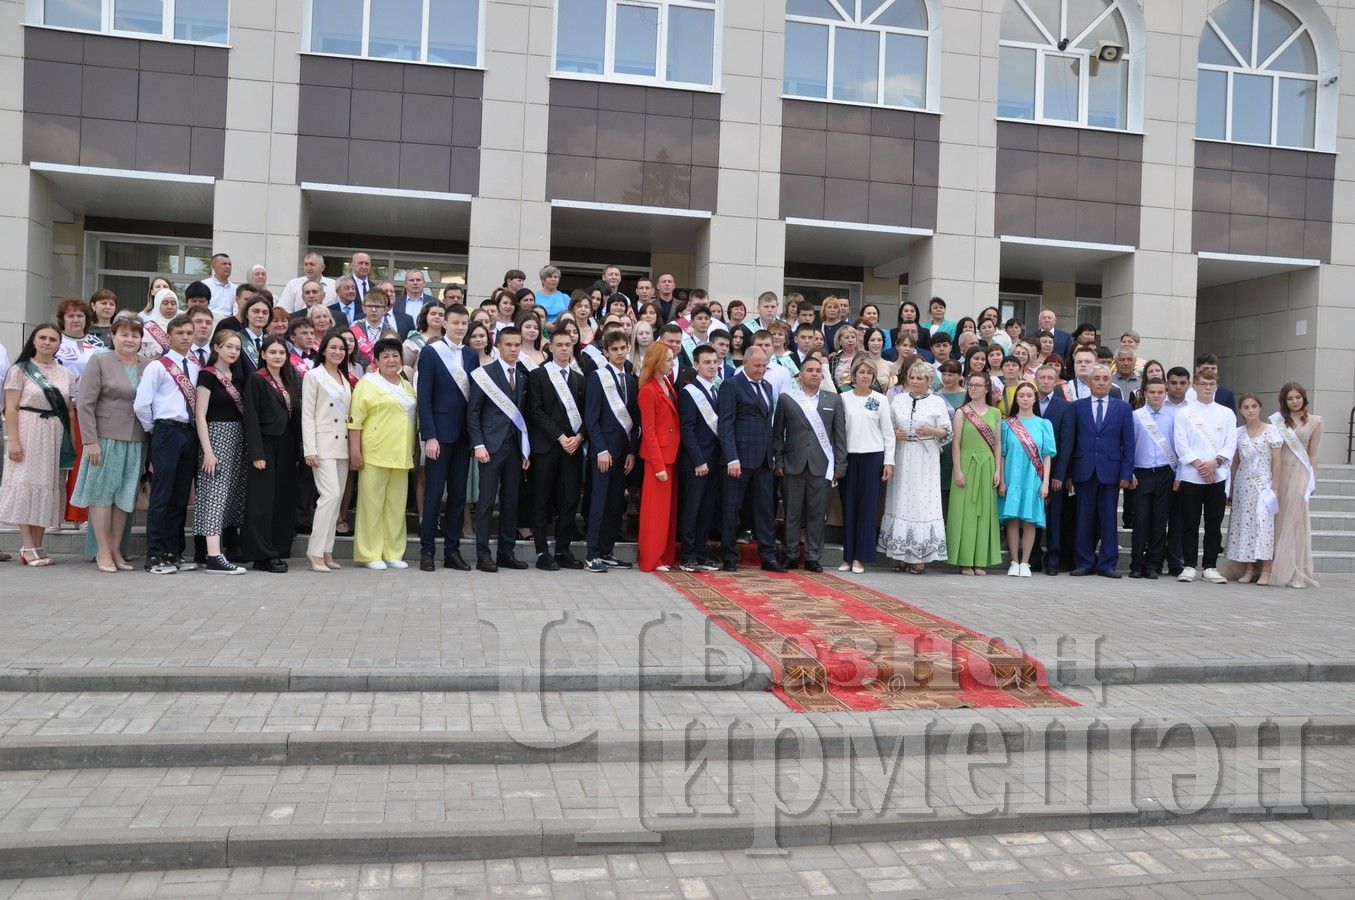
(219, 415)
(1251, 527)
(913, 530)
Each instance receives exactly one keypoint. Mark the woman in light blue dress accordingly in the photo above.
(1025, 438)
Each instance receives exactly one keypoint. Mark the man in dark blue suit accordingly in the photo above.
(498, 434)
(1059, 524)
(702, 478)
(747, 402)
(1063, 341)
(555, 422)
(1102, 431)
(611, 419)
(444, 391)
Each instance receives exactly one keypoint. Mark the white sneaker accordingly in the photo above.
(397, 564)
(1213, 576)
(376, 565)
(1025, 570)
(1014, 569)
(1187, 574)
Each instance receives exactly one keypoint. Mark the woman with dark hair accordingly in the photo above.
(115, 445)
(870, 463)
(650, 312)
(220, 419)
(326, 394)
(38, 424)
(1294, 481)
(966, 324)
(972, 541)
(531, 356)
(581, 310)
(975, 360)
(272, 429)
(1085, 333)
(430, 326)
(381, 448)
(738, 311)
(660, 434)
(1028, 448)
(103, 306)
(870, 316)
(740, 339)
(909, 313)
(873, 347)
(1136, 399)
(72, 316)
(524, 299)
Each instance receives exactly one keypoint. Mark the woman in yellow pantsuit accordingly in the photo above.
(381, 447)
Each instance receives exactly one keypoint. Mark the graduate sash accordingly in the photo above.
(505, 405)
(1145, 417)
(528, 363)
(981, 427)
(229, 387)
(181, 381)
(708, 414)
(157, 334)
(614, 400)
(1198, 424)
(248, 348)
(562, 391)
(417, 339)
(359, 332)
(285, 394)
(1027, 443)
(59, 408)
(454, 365)
(810, 407)
(1291, 440)
(300, 363)
(335, 390)
(395, 390)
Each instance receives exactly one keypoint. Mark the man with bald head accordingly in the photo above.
(1063, 341)
(747, 405)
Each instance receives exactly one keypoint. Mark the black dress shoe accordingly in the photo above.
(453, 560)
(1109, 573)
(1078, 573)
(276, 566)
(545, 563)
(772, 565)
(1173, 571)
(486, 565)
(729, 567)
(508, 562)
(813, 567)
(1151, 575)
(1051, 570)
(426, 562)
(568, 561)
(1135, 573)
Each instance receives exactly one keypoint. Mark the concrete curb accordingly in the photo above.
(931, 735)
(75, 852)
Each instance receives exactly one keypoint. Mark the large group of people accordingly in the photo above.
(693, 422)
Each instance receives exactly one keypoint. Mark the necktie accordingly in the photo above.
(762, 395)
(620, 385)
(512, 380)
(362, 288)
(186, 373)
(201, 354)
(1100, 412)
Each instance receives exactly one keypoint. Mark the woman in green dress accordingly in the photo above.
(972, 520)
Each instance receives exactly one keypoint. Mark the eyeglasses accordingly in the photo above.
(375, 304)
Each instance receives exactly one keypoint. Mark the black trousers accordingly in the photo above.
(1209, 499)
(1054, 542)
(446, 474)
(174, 462)
(606, 505)
(1151, 502)
(499, 478)
(556, 477)
(270, 507)
(757, 481)
(1174, 515)
(696, 512)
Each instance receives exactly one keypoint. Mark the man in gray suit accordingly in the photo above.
(809, 454)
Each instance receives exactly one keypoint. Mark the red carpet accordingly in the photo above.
(833, 644)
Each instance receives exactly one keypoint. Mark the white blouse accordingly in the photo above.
(870, 427)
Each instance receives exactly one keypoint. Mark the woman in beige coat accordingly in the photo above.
(325, 397)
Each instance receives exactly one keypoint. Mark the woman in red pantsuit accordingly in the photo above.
(660, 434)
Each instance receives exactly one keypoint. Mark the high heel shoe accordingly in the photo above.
(38, 561)
(331, 564)
(1246, 577)
(318, 564)
(111, 568)
(124, 566)
(1263, 579)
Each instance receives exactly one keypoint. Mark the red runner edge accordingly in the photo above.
(833, 644)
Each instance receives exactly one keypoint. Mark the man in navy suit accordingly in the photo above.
(1102, 430)
(1059, 523)
(1063, 341)
(747, 402)
(702, 478)
(555, 422)
(612, 420)
(499, 442)
(444, 391)
(346, 308)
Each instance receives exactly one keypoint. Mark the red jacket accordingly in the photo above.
(660, 427)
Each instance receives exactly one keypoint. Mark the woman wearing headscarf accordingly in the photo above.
(155, 322)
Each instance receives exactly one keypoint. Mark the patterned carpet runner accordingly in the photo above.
(833, 644)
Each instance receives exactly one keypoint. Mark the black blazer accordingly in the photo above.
(266, 416)
(547, 420)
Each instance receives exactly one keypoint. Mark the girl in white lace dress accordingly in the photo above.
(1251, 528)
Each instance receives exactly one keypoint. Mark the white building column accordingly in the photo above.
(743, 251)
(258, 214)
(510, 220)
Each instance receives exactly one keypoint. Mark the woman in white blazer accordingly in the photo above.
(325, 396)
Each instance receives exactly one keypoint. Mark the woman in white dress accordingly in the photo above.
(1251, 527)
(913, 530)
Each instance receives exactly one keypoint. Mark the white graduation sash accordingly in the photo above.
(455, 366)
(528, 363)
(708, 414)
(395, 390)
(594, 352)
(1291, 440)
(605, 376)
(1145, 417)
(505, 405)
(566, 399)
(1198, 424)
(334, 389)
(810, 407)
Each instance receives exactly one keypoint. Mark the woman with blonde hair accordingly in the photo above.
(870, 464)
(641, 338)
(660, 434)
(913, 530)
(1294, 481)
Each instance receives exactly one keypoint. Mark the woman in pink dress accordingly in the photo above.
(1293, 482)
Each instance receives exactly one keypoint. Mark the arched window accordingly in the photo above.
(878, 52)
(1071, 62)
(1261, 80)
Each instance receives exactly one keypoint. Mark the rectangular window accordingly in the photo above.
(204, 21)
(1297, 112)
(1108, 94)
(435, 31)
(856, 66)
(905, 70)
(1016, 83)
(440, 271)
(649, 41)
(125, 265)
(1251, 108)
(1061, 87)
(806, 60)
(1211, 105)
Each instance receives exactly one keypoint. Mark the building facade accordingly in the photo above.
(1173, 166)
